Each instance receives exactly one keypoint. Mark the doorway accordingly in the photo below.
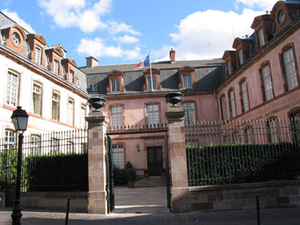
(155, 160)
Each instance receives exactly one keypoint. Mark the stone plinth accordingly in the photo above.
(97, 125)
(178, 163)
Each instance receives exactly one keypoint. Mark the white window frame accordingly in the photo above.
(10, 139)
(38, 54)
(118, 156)
(153, 111)
(94, 87)
(241, 59)
(72, 75)
(190, 109)
(54, 145)
(12, 89)
(115, 85)
(35, 144)
(71, 112)
(290, 69)
(261, 38)
(56, 66)
(55, 106)
(272, 129)
(228, 65)
(223, 108)
(37, 95)
(154, 85)
(116, 115)
(244, 94)
(82, 117)
(187, 81)
(267, 83)
(232, 104)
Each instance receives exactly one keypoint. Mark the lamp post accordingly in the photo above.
(20, 119)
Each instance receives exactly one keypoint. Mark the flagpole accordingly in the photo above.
(150, 72)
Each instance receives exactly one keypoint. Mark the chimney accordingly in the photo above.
(172, 55)
(91, 62)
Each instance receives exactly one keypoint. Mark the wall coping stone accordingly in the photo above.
(195, 190)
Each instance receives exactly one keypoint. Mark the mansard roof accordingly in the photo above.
(207, 76)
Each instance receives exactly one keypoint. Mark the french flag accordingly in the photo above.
(144, 63)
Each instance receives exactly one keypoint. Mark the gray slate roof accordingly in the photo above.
(208, 75)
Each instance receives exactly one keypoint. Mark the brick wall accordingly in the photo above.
(243, 196)
(55, 201)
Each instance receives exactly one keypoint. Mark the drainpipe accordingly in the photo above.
(217, 105)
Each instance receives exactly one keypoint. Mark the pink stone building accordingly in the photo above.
(259, 79)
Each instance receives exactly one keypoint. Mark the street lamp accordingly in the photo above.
(20, 119)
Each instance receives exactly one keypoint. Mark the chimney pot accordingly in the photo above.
(172, 55)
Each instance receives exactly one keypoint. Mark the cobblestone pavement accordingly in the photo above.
(147, 206)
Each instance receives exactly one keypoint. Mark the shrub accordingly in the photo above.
(130, 174)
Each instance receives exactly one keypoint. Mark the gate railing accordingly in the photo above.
(243, 151)
(51, 162)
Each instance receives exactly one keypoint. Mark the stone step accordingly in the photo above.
(151, 182)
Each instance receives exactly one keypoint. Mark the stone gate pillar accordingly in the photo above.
(97, 125)
(178, 162)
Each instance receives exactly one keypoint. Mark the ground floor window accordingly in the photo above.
(118, 156)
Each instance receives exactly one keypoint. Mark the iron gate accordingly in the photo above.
(109, 160)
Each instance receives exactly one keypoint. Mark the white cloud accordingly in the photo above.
(103, 6)
(115, 28)
(208, 34)
(14, 16)
(84, 14)
(98, 48)
(126, 39)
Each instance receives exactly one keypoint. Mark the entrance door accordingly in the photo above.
(155, 160)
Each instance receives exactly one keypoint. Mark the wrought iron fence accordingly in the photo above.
(51, 162)
(242, 151)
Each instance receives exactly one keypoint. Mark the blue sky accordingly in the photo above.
(125, 31)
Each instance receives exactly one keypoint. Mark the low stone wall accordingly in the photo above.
(55, 201)
(243, 196)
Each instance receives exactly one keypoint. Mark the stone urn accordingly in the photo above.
(96, 103)
(174, 98)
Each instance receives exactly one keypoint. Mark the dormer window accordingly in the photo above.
(263, 26)
(115, 83)
(94, 87)
(187, 81)
(186, 76)
(152, 83)
(16, 38)
(72, 76)
(261, 39)
(38, 55)
(54, 56)
(240, 54)
(151, 80)
(56, 66)
(281, 16)
(228, 67)
(229, 58)
(37, 45)
(69, 73)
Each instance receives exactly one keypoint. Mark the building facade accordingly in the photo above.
(136, 98)
(262, 73)
(40, 79)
